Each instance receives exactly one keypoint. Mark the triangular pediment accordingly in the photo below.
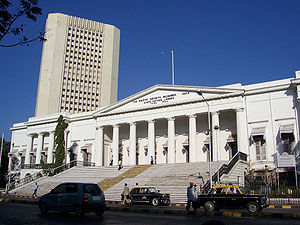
(164, 95)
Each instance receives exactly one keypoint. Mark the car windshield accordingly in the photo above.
(152, 189)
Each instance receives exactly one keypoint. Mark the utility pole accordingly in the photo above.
(173, 75)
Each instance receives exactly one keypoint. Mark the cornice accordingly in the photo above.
(226, 92)
(237, 94)
(273, 88)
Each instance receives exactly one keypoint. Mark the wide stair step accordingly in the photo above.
(131, 173)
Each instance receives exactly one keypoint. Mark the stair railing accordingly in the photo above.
(46, 172)
(226, 168)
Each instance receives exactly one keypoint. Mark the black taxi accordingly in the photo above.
(148, 195)
(230, 197)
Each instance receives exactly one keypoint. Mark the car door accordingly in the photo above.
(233, 199)
(219, 197)
(135, 194)
(54, 198)
(144, 195)
(69, 198)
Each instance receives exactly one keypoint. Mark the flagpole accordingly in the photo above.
(173, 76)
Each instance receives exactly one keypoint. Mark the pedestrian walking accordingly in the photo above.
(35, 188)
(152, 160)
(126, 195)
(191, 197)
(120, 165)
(111, 161)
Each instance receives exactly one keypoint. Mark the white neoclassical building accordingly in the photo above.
(170, 124)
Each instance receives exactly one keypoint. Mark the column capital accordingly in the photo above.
(239, 109)
(192, 116)
(171, 119)
(132, 123)
(215, 112)
(116, 125)
(31, 134)
(99, 127)
(150, 121)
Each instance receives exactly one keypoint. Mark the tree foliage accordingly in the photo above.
(4, 161)
(59, 141)
(12, 16)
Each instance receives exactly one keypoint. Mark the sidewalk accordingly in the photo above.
(176, 209)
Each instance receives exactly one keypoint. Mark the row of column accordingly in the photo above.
(241, 139)
(40, 137)
(97, 156)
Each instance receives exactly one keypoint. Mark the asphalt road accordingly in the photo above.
(14, 213)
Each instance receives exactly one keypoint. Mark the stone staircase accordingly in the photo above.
(168, 178)
(131, 173)
(74, 174)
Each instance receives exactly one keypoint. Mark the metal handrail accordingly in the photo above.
(225, 168)
(47, 172)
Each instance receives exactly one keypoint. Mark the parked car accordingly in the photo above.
(148, 195)
(74, 197)
(230, 197)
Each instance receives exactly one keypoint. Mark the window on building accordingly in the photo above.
(260, 147)
(288, 140)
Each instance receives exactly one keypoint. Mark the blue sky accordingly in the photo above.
(216, 42)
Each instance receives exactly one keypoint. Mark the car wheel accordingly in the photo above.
(79, 211)
(99, 212)
(43, 208)
(253, 207)
(154, 202)
(209, 206)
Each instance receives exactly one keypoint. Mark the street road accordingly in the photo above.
(13, 213)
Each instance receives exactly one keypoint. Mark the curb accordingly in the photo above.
(225, 214)
(175, 211)
(184, 205)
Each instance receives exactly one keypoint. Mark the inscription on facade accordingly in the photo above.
(161, 98)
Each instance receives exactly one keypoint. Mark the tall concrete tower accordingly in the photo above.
(79, 65)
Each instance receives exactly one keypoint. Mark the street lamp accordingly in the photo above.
(208, 115)
(217, 151)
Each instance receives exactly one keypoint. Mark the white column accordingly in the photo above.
(215, 142)
(241, 130)
(171, 140)
(51, 147)
(79, 151)
(9, 162)
(132, 144)
(39, 148)
(29, 148)
(151, 140)
(192, 138)
(99, 146)
(68, 145)
(115, 145)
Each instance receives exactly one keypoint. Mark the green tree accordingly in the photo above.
(12, 16)
(59, 141)
(4, 162)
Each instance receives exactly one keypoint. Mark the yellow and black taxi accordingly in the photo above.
(148, 195)
(230, 197)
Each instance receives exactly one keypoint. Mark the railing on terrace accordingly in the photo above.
(283, 195)
(225, 168)
(44, 172)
